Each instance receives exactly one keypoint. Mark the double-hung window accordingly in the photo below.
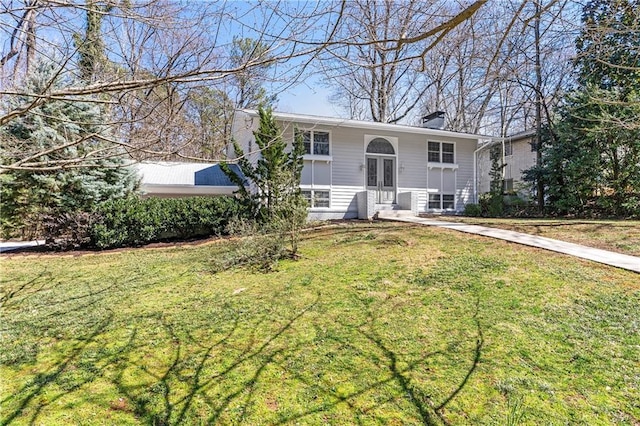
(315, 142)
(440, 152)
(441, 201)
(316, 198)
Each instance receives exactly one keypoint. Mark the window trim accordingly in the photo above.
(441, 154)
(441, 201)
(312, 155)
(312, 192)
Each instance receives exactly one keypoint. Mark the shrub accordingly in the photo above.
(69, 230)
(134, 221)
(258, 248)
(260, 252)
(492, 204)
(473, 210)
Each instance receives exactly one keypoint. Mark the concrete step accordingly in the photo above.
(379, 207)
(388, 214)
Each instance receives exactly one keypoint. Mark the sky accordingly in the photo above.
(309, 97)
(244, 19)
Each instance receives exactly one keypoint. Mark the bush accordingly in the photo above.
(492, 205)
(260, 252)
(135, 221)
(69, 230)
(472, 210)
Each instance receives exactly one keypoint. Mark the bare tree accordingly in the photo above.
(156, 53)
(152, 54)
(380, 65)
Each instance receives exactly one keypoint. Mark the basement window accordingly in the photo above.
(316, 198)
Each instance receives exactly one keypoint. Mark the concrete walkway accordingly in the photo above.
(15, 245)
(624, 261)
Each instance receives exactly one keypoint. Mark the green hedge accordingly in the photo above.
(136, 221)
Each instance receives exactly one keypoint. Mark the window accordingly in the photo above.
(508, 149)
(320, 198)
(434, 201)
(316, 198)
(380, 146)
(307, 196)
(315, 142)
(507, 186)
(434, 152)
(440, 152)
(447, 153)
(441, 201)
(448, 202)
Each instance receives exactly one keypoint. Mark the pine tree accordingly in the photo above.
(271, 190)
(28, 196)
(592, 158)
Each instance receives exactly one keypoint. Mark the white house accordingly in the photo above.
(517, 153)
(357, 168)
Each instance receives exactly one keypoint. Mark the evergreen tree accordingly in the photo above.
(247, 83)
(69, 130)
(275, 177)
(273, 194)
(591, 159)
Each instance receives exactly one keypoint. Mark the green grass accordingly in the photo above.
(375, 324)
(622, 236)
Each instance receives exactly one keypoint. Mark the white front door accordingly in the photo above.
(381, 172)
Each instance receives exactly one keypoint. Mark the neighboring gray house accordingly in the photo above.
(174, 179)
(517, 152)
(356, 168)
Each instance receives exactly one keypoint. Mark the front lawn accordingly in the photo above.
(378, 323)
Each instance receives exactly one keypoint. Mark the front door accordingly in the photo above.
(381, 178)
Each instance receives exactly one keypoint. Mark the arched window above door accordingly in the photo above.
(380, 146)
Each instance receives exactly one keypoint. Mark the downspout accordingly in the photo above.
(504, 163)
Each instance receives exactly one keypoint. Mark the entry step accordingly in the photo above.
(382, 214)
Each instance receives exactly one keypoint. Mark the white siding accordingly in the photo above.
(412, 159)
(342, 172)
(305, 176)
(343, 198)
(464, 175)
(435, 179)
(321, 173)
(348, 155)
(523, 158)
(448, 181)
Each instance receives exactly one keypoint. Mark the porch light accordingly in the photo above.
(401, 167)
(361, 166)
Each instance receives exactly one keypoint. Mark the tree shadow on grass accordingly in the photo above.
(42, 380)
(428, 411)
(176, 411)
(176, 386)
(13, 294)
